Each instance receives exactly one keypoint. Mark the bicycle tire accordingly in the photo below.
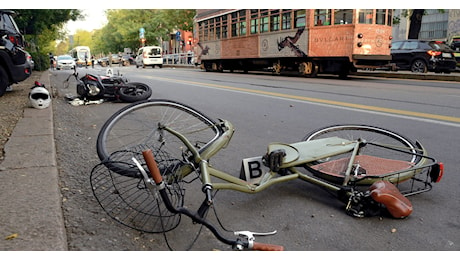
(404, 152)
(134, 129)
(135, 91)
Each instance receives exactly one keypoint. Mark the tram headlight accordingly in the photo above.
(360, 35)
(360, 44)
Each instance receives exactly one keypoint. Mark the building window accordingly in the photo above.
(322, 17)
(433, 30)
(299, 19)
(343, 16)
(366, 16)
(286, 19)
(434, 25)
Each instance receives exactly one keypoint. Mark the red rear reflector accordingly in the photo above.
(437, 171)
(441, 171)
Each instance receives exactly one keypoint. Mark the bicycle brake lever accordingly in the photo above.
(250, 235)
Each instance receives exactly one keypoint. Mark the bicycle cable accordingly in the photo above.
(166, 238)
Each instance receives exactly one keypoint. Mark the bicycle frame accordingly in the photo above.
(320, 149)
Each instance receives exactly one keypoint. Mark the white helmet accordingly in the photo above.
(39, 97)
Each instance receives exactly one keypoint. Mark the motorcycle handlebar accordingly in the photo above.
(236, 243)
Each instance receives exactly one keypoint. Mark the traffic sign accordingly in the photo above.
(178, 35)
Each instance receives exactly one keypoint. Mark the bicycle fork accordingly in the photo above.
(160, 188)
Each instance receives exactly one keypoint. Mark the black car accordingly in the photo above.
(423, 56)
(14, 63)
(127, 60)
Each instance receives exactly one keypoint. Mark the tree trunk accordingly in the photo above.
(415, 23)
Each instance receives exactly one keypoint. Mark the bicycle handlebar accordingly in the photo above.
(235, 243)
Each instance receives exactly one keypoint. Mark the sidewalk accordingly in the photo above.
(30, 200)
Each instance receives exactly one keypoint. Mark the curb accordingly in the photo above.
(455, 76)
(30, 199)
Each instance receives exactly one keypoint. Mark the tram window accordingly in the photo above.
(254, 21)
(224, 27)
(322, 17)
(343, 16)
(211, 30)
(200, 30)
(263, 20)
(274, 20)
(366, 16)
(286, 19)
(218, 26)
(390, 17)
(205, 30)
(299, 19)
(380, 16)
(234, 24)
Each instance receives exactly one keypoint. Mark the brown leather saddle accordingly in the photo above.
(388, 194)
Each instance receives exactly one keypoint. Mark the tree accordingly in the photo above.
(122, 28)
(35, 21)
(415, 23)
(42, 27)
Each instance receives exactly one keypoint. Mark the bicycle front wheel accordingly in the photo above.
(138, 127)
(383, 152)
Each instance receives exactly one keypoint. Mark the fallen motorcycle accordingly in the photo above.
(93, 87)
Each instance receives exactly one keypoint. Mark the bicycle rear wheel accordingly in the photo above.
(384, 152)
(136, 128)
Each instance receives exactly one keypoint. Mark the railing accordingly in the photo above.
(179, 58)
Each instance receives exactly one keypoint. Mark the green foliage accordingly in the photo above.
(41, 60)
(122, 29)
(41, 28)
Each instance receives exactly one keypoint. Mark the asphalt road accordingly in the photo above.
(267, 109)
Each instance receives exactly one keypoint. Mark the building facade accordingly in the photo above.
(436, 25)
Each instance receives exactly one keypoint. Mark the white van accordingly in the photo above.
(149, 56)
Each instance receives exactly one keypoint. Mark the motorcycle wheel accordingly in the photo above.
(134, 91)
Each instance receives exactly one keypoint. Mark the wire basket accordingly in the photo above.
(128, 200)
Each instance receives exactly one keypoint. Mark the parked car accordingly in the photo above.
(30, 60)
(65, 62)
(104, 61)
(149, 56)
(14, 64)
(127, 60)
(422, 56)
(116, 58)
(455, 45)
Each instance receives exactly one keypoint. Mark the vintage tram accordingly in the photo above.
(303, 41)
